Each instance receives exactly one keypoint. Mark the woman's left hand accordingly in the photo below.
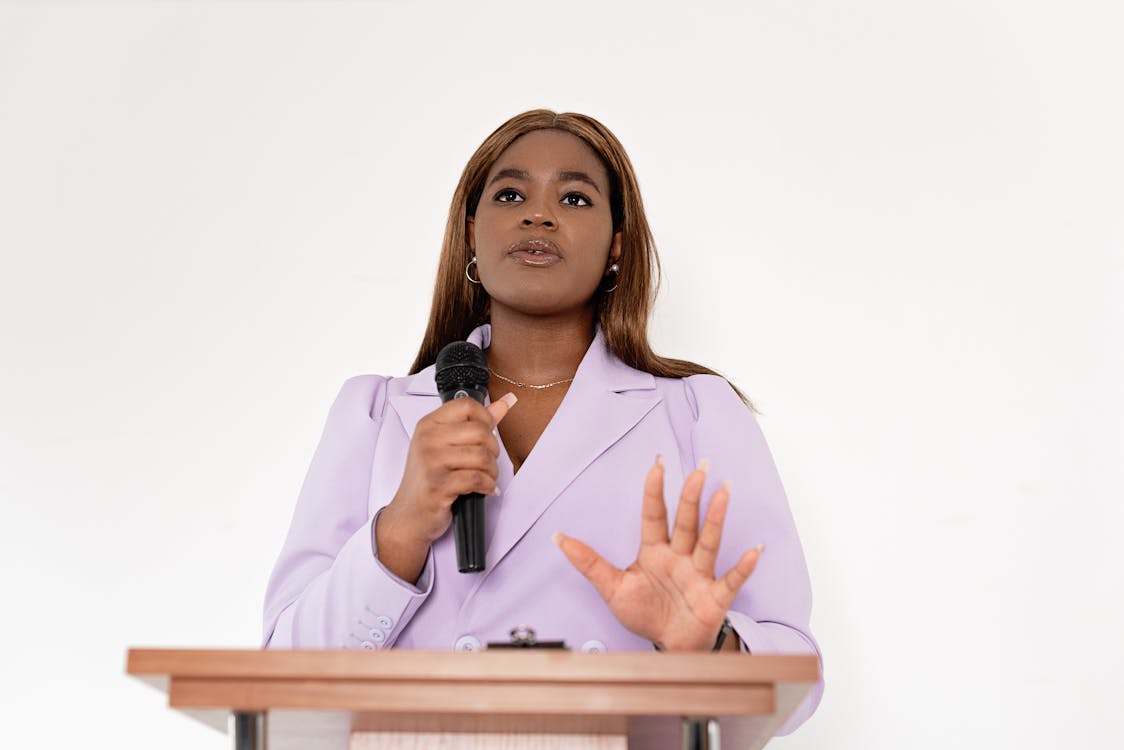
(669, 595)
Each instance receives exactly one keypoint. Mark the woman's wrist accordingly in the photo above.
(725, 640)
(397, 548)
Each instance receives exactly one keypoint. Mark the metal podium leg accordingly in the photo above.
(700, 734)
(249, 730)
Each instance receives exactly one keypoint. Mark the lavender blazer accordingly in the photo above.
(584, 478)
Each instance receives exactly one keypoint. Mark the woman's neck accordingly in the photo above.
(536, 349)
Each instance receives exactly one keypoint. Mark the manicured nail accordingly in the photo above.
(704, 465)
(556, 537)
(726, 485)
(496, 490)
(510, 399)
(659, 459)
(760, 548)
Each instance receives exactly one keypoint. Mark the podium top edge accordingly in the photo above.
(508, 665)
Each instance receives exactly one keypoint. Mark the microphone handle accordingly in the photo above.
(468, 517)
(468, 532)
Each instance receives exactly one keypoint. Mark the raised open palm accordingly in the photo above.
(669, 595)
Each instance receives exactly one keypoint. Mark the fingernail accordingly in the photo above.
(659, 459)
(496, 490)
(509, 399)
(726, 485)
(760, 548)
(704, 465)
(556, 537)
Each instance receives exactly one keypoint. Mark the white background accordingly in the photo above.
(896, 225)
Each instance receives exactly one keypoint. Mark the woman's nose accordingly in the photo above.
(539, 213)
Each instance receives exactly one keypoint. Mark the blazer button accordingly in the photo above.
(467, 643)
(384, 622)
(593, 647)
(377, 636)
(367, 645)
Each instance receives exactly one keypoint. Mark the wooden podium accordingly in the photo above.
(486, 699)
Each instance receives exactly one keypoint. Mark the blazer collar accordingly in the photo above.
(598, 365)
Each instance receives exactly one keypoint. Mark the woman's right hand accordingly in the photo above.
(453, 452)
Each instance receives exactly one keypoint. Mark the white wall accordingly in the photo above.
(896, 225)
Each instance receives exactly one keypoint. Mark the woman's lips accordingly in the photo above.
(535, 252)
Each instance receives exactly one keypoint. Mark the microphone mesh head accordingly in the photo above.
(461, 364)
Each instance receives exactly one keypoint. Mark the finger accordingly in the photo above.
(728, 586)
(468, 481)
(604, 576)
(461, 410)
(710, 538)
(653, 511)
(458, 457)
(686, 530)
(465, 433)
(499, 409)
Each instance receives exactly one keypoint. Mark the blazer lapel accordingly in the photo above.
(606, 400)
(419, 398)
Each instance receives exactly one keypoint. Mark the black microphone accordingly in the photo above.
(462, 372)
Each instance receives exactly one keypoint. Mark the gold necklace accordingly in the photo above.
(517, 384)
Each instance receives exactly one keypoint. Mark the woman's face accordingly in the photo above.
(543, 231)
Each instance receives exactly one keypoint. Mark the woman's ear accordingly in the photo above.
(615, 247)
(470, 232)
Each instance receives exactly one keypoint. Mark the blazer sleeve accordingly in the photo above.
(771, 613)
(328, 589)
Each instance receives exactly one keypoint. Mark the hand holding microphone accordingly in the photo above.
(452, 457)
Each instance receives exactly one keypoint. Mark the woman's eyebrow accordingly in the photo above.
(566, 176)
(578, 177)
(515, 174)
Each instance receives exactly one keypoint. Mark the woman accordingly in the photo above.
(549, 265)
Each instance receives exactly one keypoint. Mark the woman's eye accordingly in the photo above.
(508, 196)
(576, 199)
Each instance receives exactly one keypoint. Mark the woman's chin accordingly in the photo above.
(541, 304)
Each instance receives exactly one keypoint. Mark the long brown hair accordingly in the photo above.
(459, 306)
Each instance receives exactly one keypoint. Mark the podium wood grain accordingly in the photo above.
(555, 699)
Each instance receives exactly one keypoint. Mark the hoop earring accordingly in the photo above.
(616, 271)
(468, 276)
